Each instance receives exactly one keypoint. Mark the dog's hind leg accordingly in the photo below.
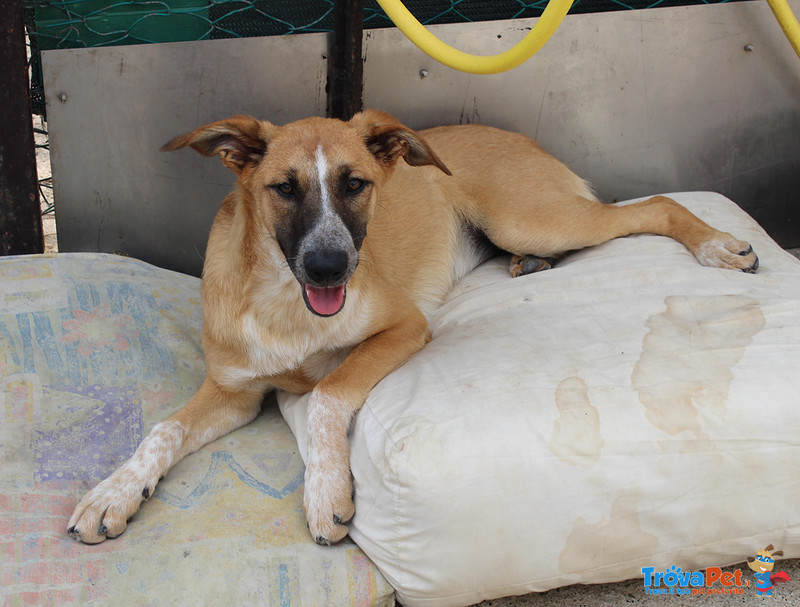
(212, 412)
(576, 223)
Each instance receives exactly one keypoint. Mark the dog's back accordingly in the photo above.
(429, 229)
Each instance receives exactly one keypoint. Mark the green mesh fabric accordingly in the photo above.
(81, 23)
(89, 23)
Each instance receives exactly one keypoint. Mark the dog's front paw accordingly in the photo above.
(725, 251)
(103, 513)
(328, 501)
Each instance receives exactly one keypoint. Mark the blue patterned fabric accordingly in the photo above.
(94, 350)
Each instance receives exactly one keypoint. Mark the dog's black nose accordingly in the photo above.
(325, 267)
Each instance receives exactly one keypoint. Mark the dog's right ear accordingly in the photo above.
(387, 139)
(241, 141)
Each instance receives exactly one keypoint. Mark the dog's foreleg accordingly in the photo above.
(328, 492)
(212, 412)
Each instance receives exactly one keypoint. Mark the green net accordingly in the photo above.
(84, 23)
(54, 24)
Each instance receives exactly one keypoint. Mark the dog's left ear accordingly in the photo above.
(240, 141)
(387, 139)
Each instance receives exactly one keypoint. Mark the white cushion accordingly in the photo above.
(628, 408)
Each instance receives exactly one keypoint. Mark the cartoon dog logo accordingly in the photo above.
(762, 565)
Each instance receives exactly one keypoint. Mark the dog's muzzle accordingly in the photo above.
(327, 272)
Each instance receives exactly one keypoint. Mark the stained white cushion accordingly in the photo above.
(627, 408)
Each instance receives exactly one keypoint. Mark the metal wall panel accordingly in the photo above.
(111, 109)
(638, 102)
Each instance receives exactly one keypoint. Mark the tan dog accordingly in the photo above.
(325, 260)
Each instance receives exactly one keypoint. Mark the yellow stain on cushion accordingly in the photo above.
(688, 357)
(576, 435)
(615, 541)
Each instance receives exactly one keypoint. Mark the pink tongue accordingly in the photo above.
(325, 300)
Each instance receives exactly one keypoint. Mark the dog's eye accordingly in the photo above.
(285, 189)
(355, 185)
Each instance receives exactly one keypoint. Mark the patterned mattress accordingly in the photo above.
(95, 350)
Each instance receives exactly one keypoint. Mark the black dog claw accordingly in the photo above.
(337, 519)
(146, 493)
(747, 252)
(322, 541)
(752, 269)
(72, 530)
(103, 530)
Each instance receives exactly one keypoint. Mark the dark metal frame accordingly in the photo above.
(345, 63)
(20, 214)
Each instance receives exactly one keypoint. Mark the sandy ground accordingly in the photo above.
(45, 190)
(630, 592)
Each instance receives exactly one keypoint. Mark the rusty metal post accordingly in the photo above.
(20, 214)
(345, 65)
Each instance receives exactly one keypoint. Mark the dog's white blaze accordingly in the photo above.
(322, 175)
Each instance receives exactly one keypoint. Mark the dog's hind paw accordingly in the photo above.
(728, 253)
(527, 264)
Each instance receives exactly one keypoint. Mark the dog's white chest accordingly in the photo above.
(281, 336)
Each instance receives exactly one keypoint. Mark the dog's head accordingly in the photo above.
(313, 186)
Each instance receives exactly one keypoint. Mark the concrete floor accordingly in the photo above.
(626, 593)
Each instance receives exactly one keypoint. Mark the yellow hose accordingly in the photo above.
(788, 22)
(535, 39)
(479, 64)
